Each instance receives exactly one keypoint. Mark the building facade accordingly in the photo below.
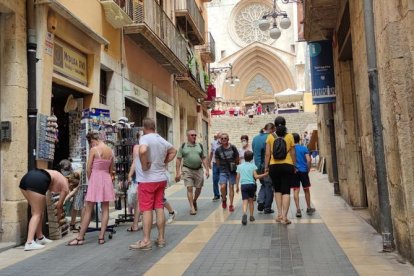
(344, 23)
(264, 66)
(135, 58)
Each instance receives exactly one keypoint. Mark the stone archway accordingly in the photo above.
(272, 66)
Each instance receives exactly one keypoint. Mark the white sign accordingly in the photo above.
(135, 93)
(164, 108)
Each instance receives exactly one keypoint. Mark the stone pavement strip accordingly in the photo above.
(334, 241)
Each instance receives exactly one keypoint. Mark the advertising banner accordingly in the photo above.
(322, 72)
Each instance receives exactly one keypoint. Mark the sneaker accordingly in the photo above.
(171, 217)
(33, 246)
(215, 198)
(260, 207)
(231, 208)
(244, 219)
(310, 211)
(43, 241)
(252, 218)
(269, 211)
(224, 204)
(298, 213)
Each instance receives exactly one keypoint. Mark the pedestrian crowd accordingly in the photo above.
(274, 157)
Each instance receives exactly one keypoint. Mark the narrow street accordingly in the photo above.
(334, 241)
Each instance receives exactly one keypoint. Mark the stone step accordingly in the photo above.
(238, 126)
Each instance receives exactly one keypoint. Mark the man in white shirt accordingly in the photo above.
(154, 155)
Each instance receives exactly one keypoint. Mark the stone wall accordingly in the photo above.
(13, 96)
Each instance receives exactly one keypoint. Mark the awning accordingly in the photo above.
(289, 95)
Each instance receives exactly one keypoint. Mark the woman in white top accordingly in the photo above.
(245, 146)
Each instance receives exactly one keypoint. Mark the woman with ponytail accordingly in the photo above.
(279, 162)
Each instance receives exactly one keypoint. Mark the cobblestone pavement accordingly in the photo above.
(211, 243)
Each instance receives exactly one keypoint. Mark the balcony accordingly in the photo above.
(158, 36)
(190, 20)
(118, 13)
(193, 84)
(208, 51)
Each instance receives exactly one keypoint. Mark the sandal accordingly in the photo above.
(193, 213)
(74, 229)
(285, 221)
(101, 241)
(160, 243)
(279, 219)
(131, 229)
(77, 242)
(140, 246)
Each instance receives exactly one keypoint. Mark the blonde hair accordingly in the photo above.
(93, 135)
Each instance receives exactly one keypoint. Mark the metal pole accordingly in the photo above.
(331, 125)
(381, 170)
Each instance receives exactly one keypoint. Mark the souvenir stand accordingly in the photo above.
(47, 130)
(95, 119)
(123, 160)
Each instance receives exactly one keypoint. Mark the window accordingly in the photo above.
(103, 89)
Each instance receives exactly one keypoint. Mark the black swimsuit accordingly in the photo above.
(36, 180)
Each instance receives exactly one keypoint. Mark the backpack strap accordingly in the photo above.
(202, 150)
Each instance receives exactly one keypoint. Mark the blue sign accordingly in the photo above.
(322, 72)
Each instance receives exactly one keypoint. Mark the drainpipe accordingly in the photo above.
(381, 170)
(31, 82)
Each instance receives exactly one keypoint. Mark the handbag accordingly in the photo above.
(232, 165)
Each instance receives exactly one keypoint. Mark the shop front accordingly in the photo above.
(164, 116)
(136, 102)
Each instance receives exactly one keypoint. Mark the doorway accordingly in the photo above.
(60, 95)
(163, 127)
(135, 112)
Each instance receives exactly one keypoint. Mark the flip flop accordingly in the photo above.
(285, 221)
(101, 241)
(193, 213)
(130, 229)
(278, 219)
(140, 246)
(78, 242)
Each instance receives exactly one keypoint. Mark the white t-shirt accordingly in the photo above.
(157, 150)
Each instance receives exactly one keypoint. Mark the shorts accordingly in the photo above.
(226, 177)
(151, 195)
(36, 180)
(250, 116)
(248, 191)
(193, 178)
(283, 177)
(301, 178)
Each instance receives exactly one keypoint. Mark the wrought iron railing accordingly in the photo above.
(127, 6)
(192, 8)
(150, 13)
(211, 45)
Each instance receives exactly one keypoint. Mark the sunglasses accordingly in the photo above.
(194, 135)
(224, 138)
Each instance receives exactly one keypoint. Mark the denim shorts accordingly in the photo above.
(226, 177)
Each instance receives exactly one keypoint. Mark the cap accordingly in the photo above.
(65, 167)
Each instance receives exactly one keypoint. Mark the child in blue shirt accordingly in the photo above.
(246, 177)
(303, 165)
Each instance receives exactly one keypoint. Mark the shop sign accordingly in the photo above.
(164, 108)
(322, 72)
(69, 62)
(135, 93)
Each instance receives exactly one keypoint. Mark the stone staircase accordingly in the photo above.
(237, 126)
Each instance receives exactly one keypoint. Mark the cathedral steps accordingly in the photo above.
(238, 126)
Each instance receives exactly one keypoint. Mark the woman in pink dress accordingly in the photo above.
(100, 187)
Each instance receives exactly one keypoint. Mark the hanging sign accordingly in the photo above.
(69, 62)
(322, 72)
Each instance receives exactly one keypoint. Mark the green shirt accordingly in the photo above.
(192, 155)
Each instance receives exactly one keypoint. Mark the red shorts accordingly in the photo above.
(151, 195)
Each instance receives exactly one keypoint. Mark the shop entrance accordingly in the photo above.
(135, 112)
(163, 127)
(60, 96)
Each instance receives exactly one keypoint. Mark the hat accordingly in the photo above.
(65, 167)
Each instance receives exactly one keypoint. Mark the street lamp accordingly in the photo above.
(232, 79)
(284, 22)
